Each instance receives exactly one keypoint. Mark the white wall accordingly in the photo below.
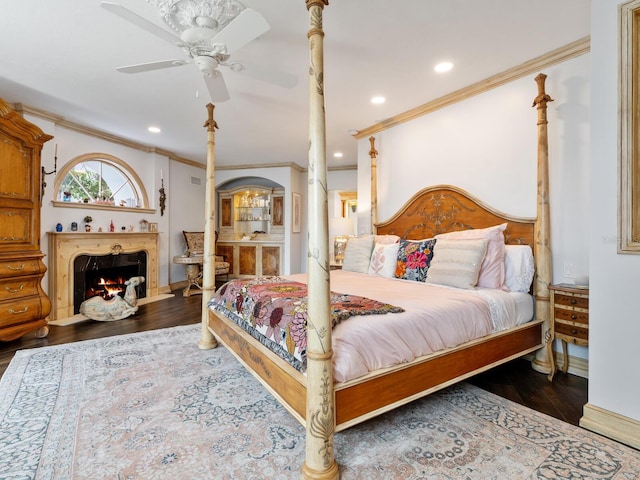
(614, 330)
(185, 206)
(487, 145)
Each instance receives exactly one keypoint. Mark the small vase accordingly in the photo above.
(87, 228)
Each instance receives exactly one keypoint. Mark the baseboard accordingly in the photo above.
(577, 366)
(177, 285)
(164, 289)
(613, 425)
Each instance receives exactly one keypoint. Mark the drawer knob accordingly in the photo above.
(574, 331)
(15, 290)
(15, 312)
(21, 267)
(574, 316)
(573, 301)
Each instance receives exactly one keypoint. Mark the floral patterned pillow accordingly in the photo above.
(414, 258)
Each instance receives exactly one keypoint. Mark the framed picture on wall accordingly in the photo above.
(297, 213)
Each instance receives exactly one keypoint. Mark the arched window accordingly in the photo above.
(99, 180)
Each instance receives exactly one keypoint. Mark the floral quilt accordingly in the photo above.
(274, 311)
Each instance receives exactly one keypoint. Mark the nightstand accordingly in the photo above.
(570, 316)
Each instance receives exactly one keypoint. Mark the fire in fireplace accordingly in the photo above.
(105, 275)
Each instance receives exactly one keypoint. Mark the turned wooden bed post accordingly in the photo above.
(373, 153)
(207, 340)
(320, 409)
(543, 360)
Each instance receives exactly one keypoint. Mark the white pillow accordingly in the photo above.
(456, 263)
(357, 254)
(492, 270)
(386, 239)
(383, 259)
(519, 268)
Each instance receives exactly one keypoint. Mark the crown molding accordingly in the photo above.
(60, 121)
(562, 54)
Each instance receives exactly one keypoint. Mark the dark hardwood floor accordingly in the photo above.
(517, 381)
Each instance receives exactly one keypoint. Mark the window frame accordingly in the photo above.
(125, 169)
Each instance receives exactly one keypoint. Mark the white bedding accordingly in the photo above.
(435, 317)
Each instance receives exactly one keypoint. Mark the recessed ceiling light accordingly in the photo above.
(378, 100)
(443, 67)
(154, 129)
(338, 154)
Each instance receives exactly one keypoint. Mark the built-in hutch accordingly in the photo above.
(24, 306)
(251, 230)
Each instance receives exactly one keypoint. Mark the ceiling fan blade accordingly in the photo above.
(217, 87)
(244, 28)
(265, 74)
(147, 67)
(141, 22)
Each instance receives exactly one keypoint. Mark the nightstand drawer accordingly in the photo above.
(562, 314)
(571, 301)
(572, 331)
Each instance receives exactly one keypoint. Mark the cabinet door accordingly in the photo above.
(270, 260)
(278, 211)
(247, 260)
(227, 252)
(15, 227)
(15, 170)
(226, 212)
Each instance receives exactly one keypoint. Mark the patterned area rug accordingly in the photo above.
(153, 406)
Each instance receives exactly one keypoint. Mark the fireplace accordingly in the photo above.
(104, 276)
(66, 247)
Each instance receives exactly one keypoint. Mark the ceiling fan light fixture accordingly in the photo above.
(206, 65)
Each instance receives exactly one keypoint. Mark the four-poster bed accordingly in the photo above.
(311, 395)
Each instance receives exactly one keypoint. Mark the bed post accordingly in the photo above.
(543, 361)
(373, 153)
(320, 409)
(207, 340)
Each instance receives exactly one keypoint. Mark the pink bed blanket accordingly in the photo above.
(274, 311)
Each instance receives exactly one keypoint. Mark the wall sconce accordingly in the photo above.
(44, 173)
(341, 229)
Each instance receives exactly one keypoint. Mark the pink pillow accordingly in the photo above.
(492, 272)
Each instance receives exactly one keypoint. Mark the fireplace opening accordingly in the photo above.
(105, 275)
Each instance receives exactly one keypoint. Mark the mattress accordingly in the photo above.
(434, 318)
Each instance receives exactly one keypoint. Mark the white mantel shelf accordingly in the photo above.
(64, 247)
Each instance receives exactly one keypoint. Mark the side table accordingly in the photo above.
(194, 273)
(570, 316)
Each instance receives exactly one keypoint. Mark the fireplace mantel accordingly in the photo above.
(64, 247)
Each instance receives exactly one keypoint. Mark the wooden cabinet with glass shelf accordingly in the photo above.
(252, 230)
(247, 213)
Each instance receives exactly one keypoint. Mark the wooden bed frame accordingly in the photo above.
(319, 404)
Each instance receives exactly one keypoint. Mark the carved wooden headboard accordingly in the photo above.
(445, 208)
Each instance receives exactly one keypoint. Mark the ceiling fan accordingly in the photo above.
(209, 31)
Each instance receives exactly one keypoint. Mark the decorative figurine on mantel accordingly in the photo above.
(97, 308)
(87, 223)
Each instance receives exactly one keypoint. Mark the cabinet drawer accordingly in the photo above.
(19, 311)
(18, 287)
(19, 268)
(572, 331)
(571, 301)
(571, 315)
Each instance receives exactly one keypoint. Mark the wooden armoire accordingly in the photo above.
(24, 306)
